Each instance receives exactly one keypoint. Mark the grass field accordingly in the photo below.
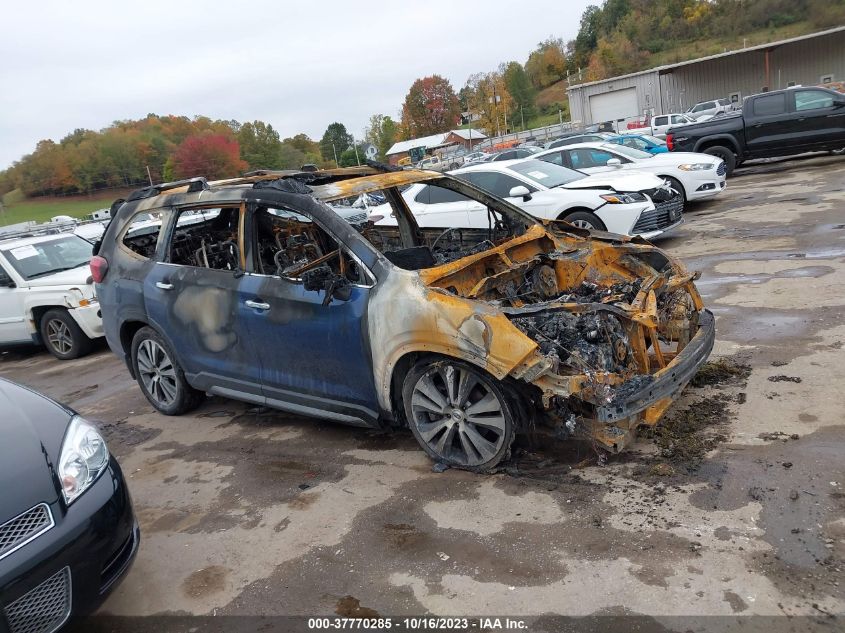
(42, 209)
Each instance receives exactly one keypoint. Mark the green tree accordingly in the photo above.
(260, 145)
(520, 88)
(335, 139)
(381, 132)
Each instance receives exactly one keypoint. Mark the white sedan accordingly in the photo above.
(628, 204)
(694, 176)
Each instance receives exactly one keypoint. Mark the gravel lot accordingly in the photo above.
(735, 507)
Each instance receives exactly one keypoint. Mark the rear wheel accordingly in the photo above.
(583, 220)
(460, 415)
(63, 336)
(725, 154)
(159, 375)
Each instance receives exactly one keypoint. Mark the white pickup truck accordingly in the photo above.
(660, 124)
(47, 294)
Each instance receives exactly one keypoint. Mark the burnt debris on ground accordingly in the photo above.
(721, 372)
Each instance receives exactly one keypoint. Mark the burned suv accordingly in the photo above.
(255, 288)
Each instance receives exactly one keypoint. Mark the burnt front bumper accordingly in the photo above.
(668, 381)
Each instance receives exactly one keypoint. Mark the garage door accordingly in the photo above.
(610, 106)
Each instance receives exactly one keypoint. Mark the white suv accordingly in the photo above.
(47, 294)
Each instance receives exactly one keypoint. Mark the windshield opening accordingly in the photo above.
(453, 219)
(546, 174)
(48, 257)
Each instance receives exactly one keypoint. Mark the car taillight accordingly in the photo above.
(670, 142)
(99, 268)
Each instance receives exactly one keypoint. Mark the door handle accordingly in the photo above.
(258, 305)
(164, 285)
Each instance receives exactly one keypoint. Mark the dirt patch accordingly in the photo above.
(782, 378)
(684, 437)
(205, 581)
(723, 371)
(78, 394)
(349, 607)
(303, 501)
(122, 437)
(401, 534)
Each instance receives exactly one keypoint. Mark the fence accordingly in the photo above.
(547, 133)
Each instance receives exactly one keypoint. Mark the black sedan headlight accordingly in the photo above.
(84, 458)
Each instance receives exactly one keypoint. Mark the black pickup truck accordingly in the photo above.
(777, 123)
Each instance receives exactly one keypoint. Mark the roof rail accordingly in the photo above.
(37, 231)
(193, 184)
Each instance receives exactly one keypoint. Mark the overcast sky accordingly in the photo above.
(84, 64)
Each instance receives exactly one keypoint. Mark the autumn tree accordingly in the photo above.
(260, 145)
(335, 141)
(431, 106)
(208, 154)
(300, 150)
(490, 99)
(547, 63)
(381, 132)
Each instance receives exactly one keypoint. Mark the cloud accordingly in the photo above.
(89, 63)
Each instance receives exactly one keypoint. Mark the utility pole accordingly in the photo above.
(522, 114)
(334, 149)
(355, 147)
(149, 175)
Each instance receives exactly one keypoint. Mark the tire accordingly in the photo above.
(727, 155)
(677, 186)
(160, 376)
(583, 220)
(62, 335)
(474, 434)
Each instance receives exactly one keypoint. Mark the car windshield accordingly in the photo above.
(628, 152)
(653, 140)
(546, 174)
(47, 257)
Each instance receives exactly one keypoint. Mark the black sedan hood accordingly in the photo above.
(31, 431)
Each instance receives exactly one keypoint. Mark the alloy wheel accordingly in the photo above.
(583, 224)
(157, 372)
(458, 415)
(59, 336)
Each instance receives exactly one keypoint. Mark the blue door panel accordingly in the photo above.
(317, 352)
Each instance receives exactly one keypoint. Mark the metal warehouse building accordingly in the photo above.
(812, 59)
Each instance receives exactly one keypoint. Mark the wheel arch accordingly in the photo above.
(724, 140)
(129, 328)
(518, 392)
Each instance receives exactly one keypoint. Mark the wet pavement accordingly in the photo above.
(735, 507)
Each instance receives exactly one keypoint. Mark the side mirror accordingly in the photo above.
(614, 162)
(520, 191)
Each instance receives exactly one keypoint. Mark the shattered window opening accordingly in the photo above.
(142, 233)
(291, 245)
(206, 238)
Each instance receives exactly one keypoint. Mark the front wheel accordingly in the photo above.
(584, 220)
(726, 155)
(160, 376)
(460, 415)
(677, 186)
(63, 336)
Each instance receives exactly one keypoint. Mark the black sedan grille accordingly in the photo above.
(664, 214)
(43, 609)
(721, 170)
(19, 531)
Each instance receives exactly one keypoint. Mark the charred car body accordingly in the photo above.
(465, 335)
